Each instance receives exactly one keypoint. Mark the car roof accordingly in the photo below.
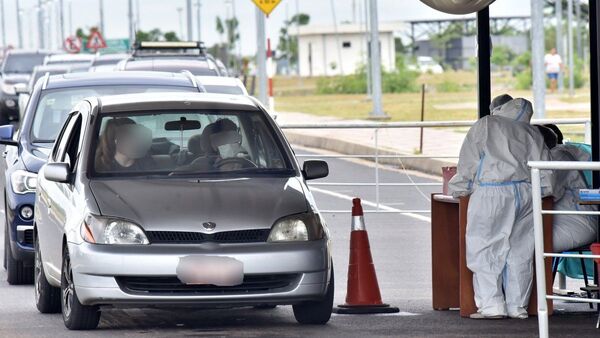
(49, 68)
(172, 65)
(112, 56)
(70, 57)
(28, 52)
(169, 101)
(81, 79)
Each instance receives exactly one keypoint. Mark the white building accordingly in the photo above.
(320, 48)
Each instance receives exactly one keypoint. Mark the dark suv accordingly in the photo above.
(17, 67)
(52, 99)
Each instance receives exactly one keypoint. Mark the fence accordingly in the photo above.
(376, 126)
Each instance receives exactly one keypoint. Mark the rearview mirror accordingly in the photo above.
(57, 172)
(21, 88)
(314, 169)
(6, 135)
(182, 124)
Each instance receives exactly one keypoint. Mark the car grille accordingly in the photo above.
(172, 285)
(28, 237)
(182, 237)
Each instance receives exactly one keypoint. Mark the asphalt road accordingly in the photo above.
(401, 250)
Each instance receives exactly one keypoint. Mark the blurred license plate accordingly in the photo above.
(210, 270)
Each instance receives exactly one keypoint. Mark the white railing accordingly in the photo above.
(540, 254)
(376, 156)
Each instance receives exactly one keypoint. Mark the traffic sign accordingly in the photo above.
(73, 44)
(267, 6)
(95, 41)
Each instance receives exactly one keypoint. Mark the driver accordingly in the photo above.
(124, 146)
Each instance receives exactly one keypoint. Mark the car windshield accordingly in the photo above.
(218, 89)
(188, 143)
(22, 63)
(54, 105)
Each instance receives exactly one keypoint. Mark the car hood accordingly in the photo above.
(184, 205)
(15, 78)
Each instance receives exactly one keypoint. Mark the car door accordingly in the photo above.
(56, 197)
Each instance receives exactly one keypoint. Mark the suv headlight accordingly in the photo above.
(297, 228)
(8, 88)
(23, 182)
(108, 230)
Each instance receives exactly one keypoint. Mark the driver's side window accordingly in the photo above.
(61, 140)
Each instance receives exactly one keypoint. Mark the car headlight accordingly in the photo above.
(108, 230)
(297, 228)
(8, 88)
(23, 182)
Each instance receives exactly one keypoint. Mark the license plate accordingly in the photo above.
(210, 270)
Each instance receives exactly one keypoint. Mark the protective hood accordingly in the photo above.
(517, 110)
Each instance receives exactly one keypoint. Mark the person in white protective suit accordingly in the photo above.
(492, 168)
(571, 231)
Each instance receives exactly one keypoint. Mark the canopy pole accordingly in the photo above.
(594, 13)
(484, 47)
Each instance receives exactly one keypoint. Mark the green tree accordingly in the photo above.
(288, 45)
(502, 56)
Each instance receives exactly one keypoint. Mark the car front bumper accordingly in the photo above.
(97, 267)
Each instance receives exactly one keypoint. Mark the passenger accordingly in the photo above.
(492, 168)
(220, 140)
(571, 231)
(124, 146)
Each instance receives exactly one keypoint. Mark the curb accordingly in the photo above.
(427, 165)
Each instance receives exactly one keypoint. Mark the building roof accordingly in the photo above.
(345, 28)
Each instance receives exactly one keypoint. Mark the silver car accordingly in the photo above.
(178, 199)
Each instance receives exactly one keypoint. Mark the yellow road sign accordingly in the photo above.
(267, 6)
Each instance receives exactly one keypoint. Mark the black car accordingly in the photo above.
(52, 99)
(17, 67)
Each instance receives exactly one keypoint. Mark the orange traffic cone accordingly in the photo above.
(363, 294)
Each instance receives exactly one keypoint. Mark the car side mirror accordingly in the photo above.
(57, 172)
(314, 169)
(6, 135)
(21, 88)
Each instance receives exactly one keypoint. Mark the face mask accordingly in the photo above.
(229, 150)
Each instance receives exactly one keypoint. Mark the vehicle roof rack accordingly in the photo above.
(168, 47)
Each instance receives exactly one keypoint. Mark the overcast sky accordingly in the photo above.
(163, 14)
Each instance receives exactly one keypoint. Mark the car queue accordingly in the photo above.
(157, 185)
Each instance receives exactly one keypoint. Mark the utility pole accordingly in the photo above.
(377, 112)
(368, 58)
(61, 21)
(19, 26)
(570, 45)
(298, 41)
(70, 16)
(188, 12)
(40, 8)
(3, 24)
(560, 41)
(261, 57)
(578, 28)
(101, 3)
(337, 38)
(131, 27)
(199, 17)
(537, 57)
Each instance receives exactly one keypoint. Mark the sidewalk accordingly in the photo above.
(405, 141)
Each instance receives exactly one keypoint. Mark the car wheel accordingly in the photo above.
(47, 297)
(16, 272)
(76, 316)
(316, 312)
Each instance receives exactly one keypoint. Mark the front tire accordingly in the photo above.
(47, 297)
(76, 316)
(316, 312)
(16, 272)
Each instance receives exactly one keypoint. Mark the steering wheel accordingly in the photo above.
(236, 161)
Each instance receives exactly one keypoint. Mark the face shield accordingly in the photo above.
(133, 140)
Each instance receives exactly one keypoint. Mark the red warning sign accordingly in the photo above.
(95, 41)
(73, 44)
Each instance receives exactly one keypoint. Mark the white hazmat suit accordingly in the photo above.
(571, 231)
(492, 168)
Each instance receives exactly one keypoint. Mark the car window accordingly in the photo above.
(54, 105)
(195, 142)
(63, 137)
(234, 90)
(22, 63)
(71, 150)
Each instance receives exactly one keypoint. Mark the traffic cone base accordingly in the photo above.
(363, 295)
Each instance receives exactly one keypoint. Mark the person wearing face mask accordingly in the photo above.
(492, 169)
(124, 146)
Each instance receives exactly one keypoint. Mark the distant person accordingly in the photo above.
(554, 65)
(492, 169)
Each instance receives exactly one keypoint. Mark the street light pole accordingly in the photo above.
(261, 57)
(131, 27)
(101, 3)
(19, 26)
(41, 43)
(570, 46)
(3, 24)
(559, 41)
(537, 57)
(188, 13)
(198, 16)
(61, 21)
(377, 112)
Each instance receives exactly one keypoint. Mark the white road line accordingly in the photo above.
(369, 203)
